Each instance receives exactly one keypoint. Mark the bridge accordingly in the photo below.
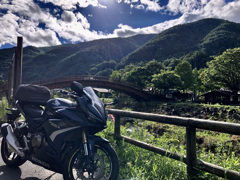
(94, 81)
(15, 79)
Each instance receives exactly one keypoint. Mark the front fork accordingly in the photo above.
(85, 142)
(88, 146)
(88, 161)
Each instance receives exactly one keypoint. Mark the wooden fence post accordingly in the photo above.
(117, 127)
(10, 83)
(17, 77)
(191, 151)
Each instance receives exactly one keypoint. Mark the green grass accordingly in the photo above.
(139, 164)
(3, 106)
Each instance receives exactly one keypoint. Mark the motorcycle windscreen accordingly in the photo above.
(96, 107)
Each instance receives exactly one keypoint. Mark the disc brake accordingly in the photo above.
(98, 173)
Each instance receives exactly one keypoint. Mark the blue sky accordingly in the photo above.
(56, 22)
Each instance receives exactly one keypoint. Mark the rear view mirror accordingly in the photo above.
(115, 101)
(77, 87)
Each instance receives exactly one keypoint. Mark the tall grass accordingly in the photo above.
(140, 164)
(3, 106)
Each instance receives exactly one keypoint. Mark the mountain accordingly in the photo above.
(212, 36)
(195, 42)
(71, 59)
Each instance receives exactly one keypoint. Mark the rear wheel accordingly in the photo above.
(103, 165)
(9, 157)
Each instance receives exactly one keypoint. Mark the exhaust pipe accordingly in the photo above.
(12, 141)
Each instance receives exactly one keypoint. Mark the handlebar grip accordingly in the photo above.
(63, 91)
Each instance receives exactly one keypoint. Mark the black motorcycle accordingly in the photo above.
(59, 134)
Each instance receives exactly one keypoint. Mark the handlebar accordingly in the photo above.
(73, 94)
(115, 101)
(67, 93)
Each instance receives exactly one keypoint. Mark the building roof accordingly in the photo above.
(230, 93)
(101, 90)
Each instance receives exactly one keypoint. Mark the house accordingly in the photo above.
(101, 92)
(175, 94)
(221, 97)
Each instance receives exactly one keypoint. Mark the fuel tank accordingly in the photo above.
(64, 109)
(60, 103)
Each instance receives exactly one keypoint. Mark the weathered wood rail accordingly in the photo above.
(190, 159)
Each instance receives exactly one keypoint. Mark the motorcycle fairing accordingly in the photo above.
(96, 106)
(60, 131)
(73, 115)
(50, 156)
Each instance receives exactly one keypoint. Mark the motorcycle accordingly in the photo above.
(59, 134)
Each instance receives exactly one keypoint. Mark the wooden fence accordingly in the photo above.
(190, 159)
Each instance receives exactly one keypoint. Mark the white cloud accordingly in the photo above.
(36, 36)
(183, 6)
(139, 6)
(68, 17)
(191, 10)
(229, 11)
(22, 19)
(152, 5)
(26, 19)
(71, 4)
(124, 31)
(206, 8)
(8, 33)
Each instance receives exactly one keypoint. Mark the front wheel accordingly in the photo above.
(103, 165)
(9, 157)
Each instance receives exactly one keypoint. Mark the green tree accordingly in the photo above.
(152, 67)
(140, 75)
(166, 80)
(106, 72)
(115, 76)
(197, 59)
(121, 74)
(136, 76)
(197, 82)
(99, 68)
(223, 71)
(184, 70)
(207, 81)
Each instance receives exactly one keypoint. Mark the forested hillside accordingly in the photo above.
(194, 42)
(72, 59)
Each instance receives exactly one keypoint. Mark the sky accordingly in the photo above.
(55, 22)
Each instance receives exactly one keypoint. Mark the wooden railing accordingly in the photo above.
(190, 159)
